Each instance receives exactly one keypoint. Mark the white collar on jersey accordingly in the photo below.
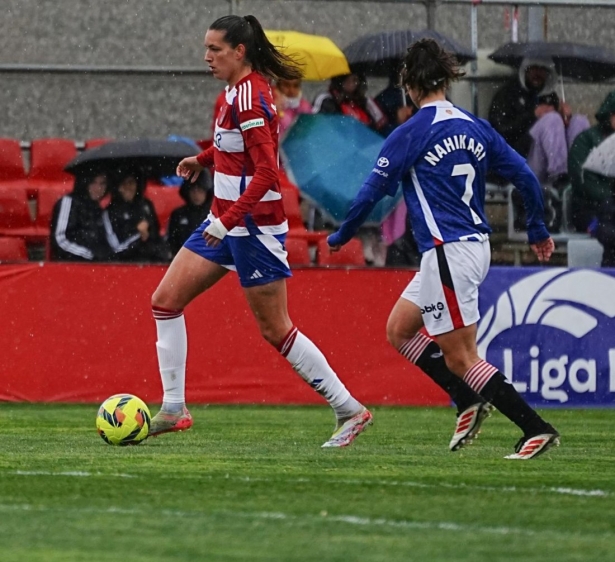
(445, 110)
(230, 94)
(438, 103)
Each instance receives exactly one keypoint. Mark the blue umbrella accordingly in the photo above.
(329, 157)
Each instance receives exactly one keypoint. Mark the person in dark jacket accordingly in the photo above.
(77, 229)
(347, 95)
(395, 103)
(512, 111)
(131, 221)
(590, 191)
(184, 220)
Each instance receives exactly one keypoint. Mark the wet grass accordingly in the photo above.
(252, 483)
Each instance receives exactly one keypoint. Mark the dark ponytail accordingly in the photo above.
(260, 53)
(428, 68)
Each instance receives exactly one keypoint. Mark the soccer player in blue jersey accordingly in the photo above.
(441, 156)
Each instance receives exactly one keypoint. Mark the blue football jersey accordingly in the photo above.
(441, 157)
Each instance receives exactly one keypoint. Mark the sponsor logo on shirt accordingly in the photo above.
(260, 122)
(436, 309)
(382, 162)
(380, 173)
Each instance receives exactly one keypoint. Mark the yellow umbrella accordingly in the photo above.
(320, 58)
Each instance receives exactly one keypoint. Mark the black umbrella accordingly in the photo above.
(154, 157)
(380, 53)
(572, 60)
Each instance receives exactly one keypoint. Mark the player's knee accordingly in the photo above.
(164, 299)
(397, 333)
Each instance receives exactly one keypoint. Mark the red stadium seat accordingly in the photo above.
(11, 161)
(45, 202)
(165, 200)
(13, 250)
(298, 251)
(350, 254)
(290, 197)
(15, 216)
(47, 160)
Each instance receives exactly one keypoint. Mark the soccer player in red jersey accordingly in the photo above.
(245, 231)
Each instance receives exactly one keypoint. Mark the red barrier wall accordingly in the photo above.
(79, 333)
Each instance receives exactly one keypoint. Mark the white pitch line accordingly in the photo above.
(446, 526)
(68, 473)
(392, 483)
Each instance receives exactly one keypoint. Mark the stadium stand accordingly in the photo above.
(47, 160)
(298, 251)
(349, 254)
(15, 216)
(13, 249)
(12, 170)
(165, 200)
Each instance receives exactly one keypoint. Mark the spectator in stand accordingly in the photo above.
(347, 95)
(551, 135)
(527, 112)
(198, 196)
(77, 229)
(590, 191)
(131, 221)
(513, 108)
(395, 104)
(289, 102)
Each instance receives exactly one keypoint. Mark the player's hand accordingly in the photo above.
(189, 168)
(543, 249)
(214, 233)
(334, 244)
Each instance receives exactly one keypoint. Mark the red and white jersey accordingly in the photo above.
(247, 118)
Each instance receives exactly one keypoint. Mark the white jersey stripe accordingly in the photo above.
(228, 187)
(60, 233)
(229, 140)
(249, 96)
(429, 218)
(112, 238)
(274, 246)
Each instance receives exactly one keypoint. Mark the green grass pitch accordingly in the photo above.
(253, 484)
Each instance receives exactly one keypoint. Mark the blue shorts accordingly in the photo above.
(258, 259)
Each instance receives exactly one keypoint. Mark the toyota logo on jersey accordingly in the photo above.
(383, 162)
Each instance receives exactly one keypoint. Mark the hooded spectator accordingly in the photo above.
(77, 229)
(131, 221)
(184, 220)
(347, 95)
(512, 111)
(590, 191)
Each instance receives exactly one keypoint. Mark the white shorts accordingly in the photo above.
(446, 287)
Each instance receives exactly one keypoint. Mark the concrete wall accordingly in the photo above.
(169, 33)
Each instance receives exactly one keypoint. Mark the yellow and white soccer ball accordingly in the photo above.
(123, 419)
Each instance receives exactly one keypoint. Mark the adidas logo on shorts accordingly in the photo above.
(256, 275)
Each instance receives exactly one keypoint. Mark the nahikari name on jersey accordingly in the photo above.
(456, 142)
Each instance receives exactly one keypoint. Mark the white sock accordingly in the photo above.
(313, 368)
(172, 347)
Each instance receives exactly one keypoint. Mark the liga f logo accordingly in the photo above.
(569, 300)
